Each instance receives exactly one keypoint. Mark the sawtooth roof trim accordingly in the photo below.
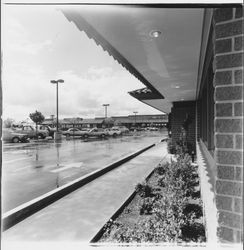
(92, 33)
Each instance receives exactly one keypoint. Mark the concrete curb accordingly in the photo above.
(25, 210)
(100, 233)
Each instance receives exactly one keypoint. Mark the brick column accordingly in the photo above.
(228, 82)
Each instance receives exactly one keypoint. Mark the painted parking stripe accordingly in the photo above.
(19, 159)
(20, 169)
(68, 166)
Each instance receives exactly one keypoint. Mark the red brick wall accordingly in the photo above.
(179, 112)
(228, 82)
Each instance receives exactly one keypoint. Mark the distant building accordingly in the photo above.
(99, 122)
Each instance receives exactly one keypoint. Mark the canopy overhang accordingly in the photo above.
(159, 46)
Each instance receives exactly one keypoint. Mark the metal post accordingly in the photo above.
(58, 136)
(57, 106)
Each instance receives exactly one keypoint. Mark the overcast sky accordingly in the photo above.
(39, 44)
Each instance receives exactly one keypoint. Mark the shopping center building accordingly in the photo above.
(191, 63)
(139, 121)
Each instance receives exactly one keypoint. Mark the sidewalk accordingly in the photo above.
(80, 215)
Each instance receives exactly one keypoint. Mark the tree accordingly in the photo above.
(37, 117)
(8, 123)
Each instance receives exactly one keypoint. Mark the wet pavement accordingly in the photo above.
(32, 169)
(80, 215)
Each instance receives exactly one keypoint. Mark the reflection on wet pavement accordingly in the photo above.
(81, 214)
(30, 170)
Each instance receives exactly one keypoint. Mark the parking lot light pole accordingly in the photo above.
(105, 105)
(57, 135)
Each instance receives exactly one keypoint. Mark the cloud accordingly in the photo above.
(96, 73)
(28, 89)
(18, 39)
(30, 47)
(90, 93)
(27, 72)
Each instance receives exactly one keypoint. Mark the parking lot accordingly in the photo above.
(32, 169)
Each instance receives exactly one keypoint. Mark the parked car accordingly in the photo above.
(143, 129)
(97, 132)
(31, 132)
(48, 129)
(76, 132)
(123, 129)
(113, 131)
(10, 135)
(133, 129)
(139, 129)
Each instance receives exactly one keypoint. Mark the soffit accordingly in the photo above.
(167, 64)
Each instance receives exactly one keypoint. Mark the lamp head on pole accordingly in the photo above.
(57, 81)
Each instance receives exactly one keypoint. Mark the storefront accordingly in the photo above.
(196, 77)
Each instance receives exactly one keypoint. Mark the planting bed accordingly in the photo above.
(166, 208)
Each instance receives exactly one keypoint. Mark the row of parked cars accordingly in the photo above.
(144, 129)
(96, 132)
(24, 133)
(100, 132)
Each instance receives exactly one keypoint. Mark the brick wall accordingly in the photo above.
(228, 82)
(179, 112)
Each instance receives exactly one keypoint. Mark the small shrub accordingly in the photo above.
(196, 195)
(144, 190)
(193, 232)
(172, 218)
(191, 209)
(162, 169)
(146, 205)
(183, 148)
(119, 232)
(162, 182)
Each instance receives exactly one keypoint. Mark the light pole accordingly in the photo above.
(58, 136)
(105, 105)
(135, 112)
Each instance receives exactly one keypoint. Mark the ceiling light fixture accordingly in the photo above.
(155, 33)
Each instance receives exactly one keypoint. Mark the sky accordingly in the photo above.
(38, 45)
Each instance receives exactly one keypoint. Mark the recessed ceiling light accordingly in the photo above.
(182, 99)
(175, 87)
(155, 33)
